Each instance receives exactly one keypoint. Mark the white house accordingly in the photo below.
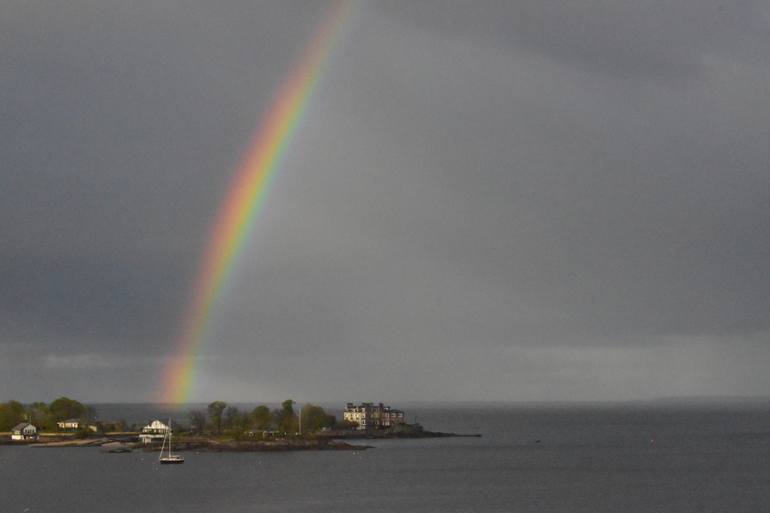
(155, 431)
(24, 431)
(75, 424)
(69, 424)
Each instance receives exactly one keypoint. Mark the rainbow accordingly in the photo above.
(244, 199)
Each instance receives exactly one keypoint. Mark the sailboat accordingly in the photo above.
(171, 458)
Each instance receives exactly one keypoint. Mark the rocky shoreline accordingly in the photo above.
(386, 435)
(207, 445)
(210, 445)
(330, 441)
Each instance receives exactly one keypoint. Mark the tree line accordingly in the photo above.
(220, 418)
(44, 416)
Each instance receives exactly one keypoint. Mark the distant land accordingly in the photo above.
(704, 399)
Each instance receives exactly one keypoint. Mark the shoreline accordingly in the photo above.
(402, 435)
(209, 445)
(321, 441)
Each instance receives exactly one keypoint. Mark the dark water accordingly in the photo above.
(621, 458)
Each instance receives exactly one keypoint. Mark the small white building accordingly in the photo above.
(24, 431)
(69, 424)
(155, 431)
(75, 424)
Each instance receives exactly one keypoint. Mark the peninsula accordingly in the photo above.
(220, 428)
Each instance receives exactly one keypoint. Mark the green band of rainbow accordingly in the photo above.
(244, 200)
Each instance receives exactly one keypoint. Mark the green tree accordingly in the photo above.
(111, 427)
(11, 413)
(39, 415)
(314, 418)
(65, 408)
(238, 423)
(197, 421)
(285, 418)
(231, 418)
(215, 410)
(244, 423)
(261, 417)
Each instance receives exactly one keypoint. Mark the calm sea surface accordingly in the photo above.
(619, 458)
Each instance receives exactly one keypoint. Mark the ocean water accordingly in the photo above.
(632, 458)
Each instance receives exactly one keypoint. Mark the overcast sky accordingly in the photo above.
(488, 200)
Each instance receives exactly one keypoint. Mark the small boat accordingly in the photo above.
(171, 459)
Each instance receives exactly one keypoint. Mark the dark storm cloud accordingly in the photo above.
(622, 204)
(496, 200)
(94, 297)
(122, 124)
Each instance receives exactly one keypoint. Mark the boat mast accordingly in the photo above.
(169, 438)
(162, 447)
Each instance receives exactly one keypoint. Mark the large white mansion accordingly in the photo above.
(373, 416)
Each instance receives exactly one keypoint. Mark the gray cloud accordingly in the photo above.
(80, 361)
(651, 39)
(483, 201)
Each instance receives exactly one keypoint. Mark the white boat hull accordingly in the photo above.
(172, 460)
